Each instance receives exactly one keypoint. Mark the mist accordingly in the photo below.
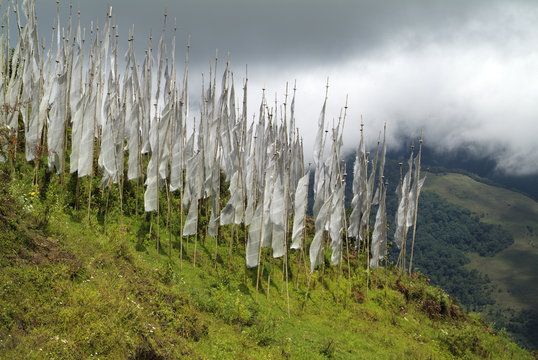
(463, 73)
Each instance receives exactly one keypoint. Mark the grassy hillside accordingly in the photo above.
(75, 289)
(513, 270)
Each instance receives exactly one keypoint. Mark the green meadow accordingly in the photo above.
(73, 288)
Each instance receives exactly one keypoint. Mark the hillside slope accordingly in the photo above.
(73, 289)
(513, 271)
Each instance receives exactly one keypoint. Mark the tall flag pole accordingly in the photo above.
(417, 187)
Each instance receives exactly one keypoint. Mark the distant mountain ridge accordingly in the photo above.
(463, 160)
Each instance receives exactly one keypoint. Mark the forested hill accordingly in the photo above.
(456, 241)
(444, 233)
(512, 271)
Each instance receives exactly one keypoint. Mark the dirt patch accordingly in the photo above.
(43, 250)
(405, 290)
(436, 307)
(441, 309)
(146, 354)
(357, 295)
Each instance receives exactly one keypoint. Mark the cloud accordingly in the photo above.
(463, 72)
(472, 87)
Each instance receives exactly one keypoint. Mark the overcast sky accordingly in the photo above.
(464, 72)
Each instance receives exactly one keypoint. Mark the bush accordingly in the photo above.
(464, 342)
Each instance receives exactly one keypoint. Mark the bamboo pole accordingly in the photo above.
(202, 151)
(173, 93)
(230, 245)
(120, 168)
(168, 217)
(15, 132)
(260, 242)
(39, 144)
(91, 168)
(181, 199)
(181, 226)
(217, 202)
(302, 257)
(303, 241)
(269, 273)
(398, 261)
(322, 269)
(185, 103)
(98, 89)
(275, 156)
(406, 209)
(196, 235)
(108, 185)
(369, 207)
(307, 289)
(139, 173)
(286, 194)
(416, 204)
(157, 241)
(168, 196)
(243, 187)
(68, 66)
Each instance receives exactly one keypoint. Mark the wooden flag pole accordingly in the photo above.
(168, 195)
(157, 241)
(181, 223)
(108, 185)
(122, 177)
(406, 194)
(260, 242)
(286, 229)
(399, 260)
(230, 245)
(168, 217)
(416, 204)
(217, 195)
(307, 289)
(269, 273)
(286, 193)
(185, 100)
(196, 232)
(91, 168)
(303, 241)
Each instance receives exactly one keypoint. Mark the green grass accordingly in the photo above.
(513, 270)
(73, 289)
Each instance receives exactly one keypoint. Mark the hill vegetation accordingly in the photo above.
(73, 289)
(98, 275)
(445, 233)
(475, 240)
(512, 270)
